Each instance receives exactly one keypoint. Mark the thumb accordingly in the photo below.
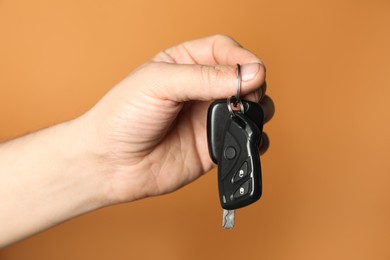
(184, 82)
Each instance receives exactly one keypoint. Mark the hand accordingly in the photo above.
(151, 128)
(146, 137)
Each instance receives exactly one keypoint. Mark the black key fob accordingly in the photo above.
(239, 170)
(217, 116)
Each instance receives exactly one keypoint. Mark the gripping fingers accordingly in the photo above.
(268, 107)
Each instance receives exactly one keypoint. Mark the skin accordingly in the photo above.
(145, 137)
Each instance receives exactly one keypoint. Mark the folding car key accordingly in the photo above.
(233, 141)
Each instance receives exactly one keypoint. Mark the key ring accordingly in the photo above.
(236, 99)
(233, 100)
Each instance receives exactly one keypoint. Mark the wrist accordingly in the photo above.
(104, 171)
(86, 162)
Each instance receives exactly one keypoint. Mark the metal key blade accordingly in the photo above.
(228, 219)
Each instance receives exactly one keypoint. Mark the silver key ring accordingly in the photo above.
(239, 103)
(236, 99)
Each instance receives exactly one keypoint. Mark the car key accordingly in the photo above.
(233, 140)
(219, 121)
(239, 173)
(239, 170)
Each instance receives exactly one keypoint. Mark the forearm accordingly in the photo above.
(45, 178)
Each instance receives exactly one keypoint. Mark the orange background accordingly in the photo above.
(326, 175)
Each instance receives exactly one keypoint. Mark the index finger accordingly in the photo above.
(218, 49)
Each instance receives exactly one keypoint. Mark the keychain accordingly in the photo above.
(234, 130)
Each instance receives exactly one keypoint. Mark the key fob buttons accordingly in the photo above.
(242, 190)
(244, 170)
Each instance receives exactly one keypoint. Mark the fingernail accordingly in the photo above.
(249, 71)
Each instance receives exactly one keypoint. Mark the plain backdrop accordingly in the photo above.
(326, 176)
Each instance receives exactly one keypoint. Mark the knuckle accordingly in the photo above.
(224, 38)
(263, 66)
(207, 77)
(153, 66)
(213, 76)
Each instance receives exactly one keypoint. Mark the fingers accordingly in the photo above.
(181, 83)
(269, 110)
(227, 51)
(211, 80)
(257, 95)
(264, 144)
(217, 49)
(268, 107)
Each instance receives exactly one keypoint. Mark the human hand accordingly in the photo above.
(149, 131)
(145, 137)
